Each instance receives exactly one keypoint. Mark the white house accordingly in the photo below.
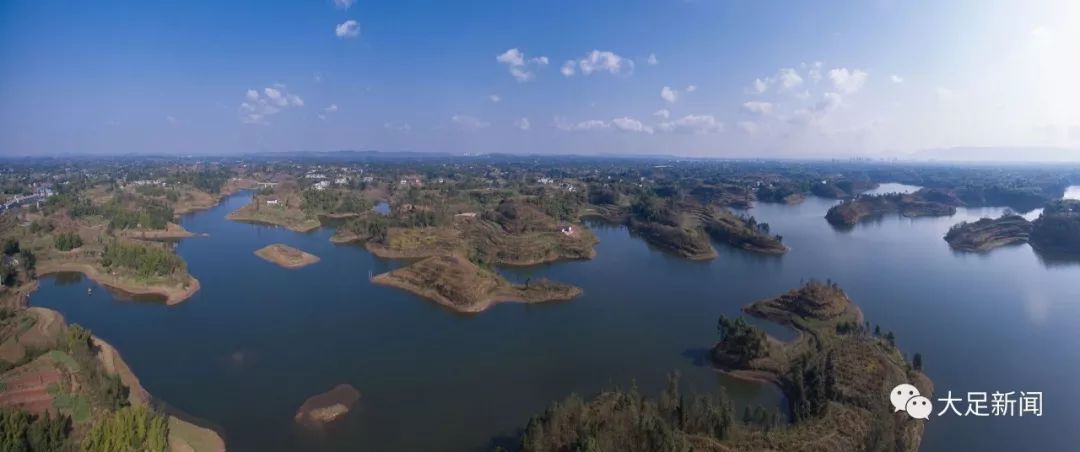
(272, 202)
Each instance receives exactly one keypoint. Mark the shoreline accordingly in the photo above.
(172, 295)
(384, 252)
(242, 218)
(480, 306)
(173, 231)
(183, 435)
(279, 254)
(457, 284)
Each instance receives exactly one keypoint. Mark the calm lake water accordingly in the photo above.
(257, 340)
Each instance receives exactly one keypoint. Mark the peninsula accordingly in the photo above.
(834, 376)
(1057, 230)
(90, 395)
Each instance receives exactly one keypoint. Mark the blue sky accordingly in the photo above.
(702, 78)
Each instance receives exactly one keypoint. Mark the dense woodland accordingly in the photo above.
(628, 421)
(146, 260)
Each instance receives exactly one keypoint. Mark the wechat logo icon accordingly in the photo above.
(906, 398)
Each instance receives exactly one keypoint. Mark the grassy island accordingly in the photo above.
(835, 377)
(687, 228)
(988, 233)
(513, 233)
(456, 283)
(286, 256)
(923, 203)
(328, 406)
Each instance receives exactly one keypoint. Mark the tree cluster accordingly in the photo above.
(741, 341)
(626, 421)
(128, 429)
(810, 387)
(146, 260)
(24, 432)
(67, 241)
(105, 389)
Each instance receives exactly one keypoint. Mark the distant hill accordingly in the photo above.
(1000, 154)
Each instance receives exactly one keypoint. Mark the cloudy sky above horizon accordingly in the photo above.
(720, 78)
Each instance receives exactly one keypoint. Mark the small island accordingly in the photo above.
(988, 233)
(686, 228)
(457, 283)
(512, 233)
(923, 203)
(327, 407)
(286, 256)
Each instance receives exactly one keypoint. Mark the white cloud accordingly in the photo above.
(631, 125)
(691, 88)
(523, 124)
(348, 29)
(600, 61)
(813, 71)
(568, 68)
(469, 122)
(830, 101)
(896, 79)
(749, 127)
(760, 86)
(697, 124)
(789, 78)
(668, 94)
(663, 113)
(847, 82)
(494, 98)
(625, 124)
(652, 60)
(344, 4)
(331, 109)
(397, 126)
(317, 77)
(256, 107)
(592, 124)
(758, 107)
(519, 66)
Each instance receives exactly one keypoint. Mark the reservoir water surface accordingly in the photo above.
(256, 340)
